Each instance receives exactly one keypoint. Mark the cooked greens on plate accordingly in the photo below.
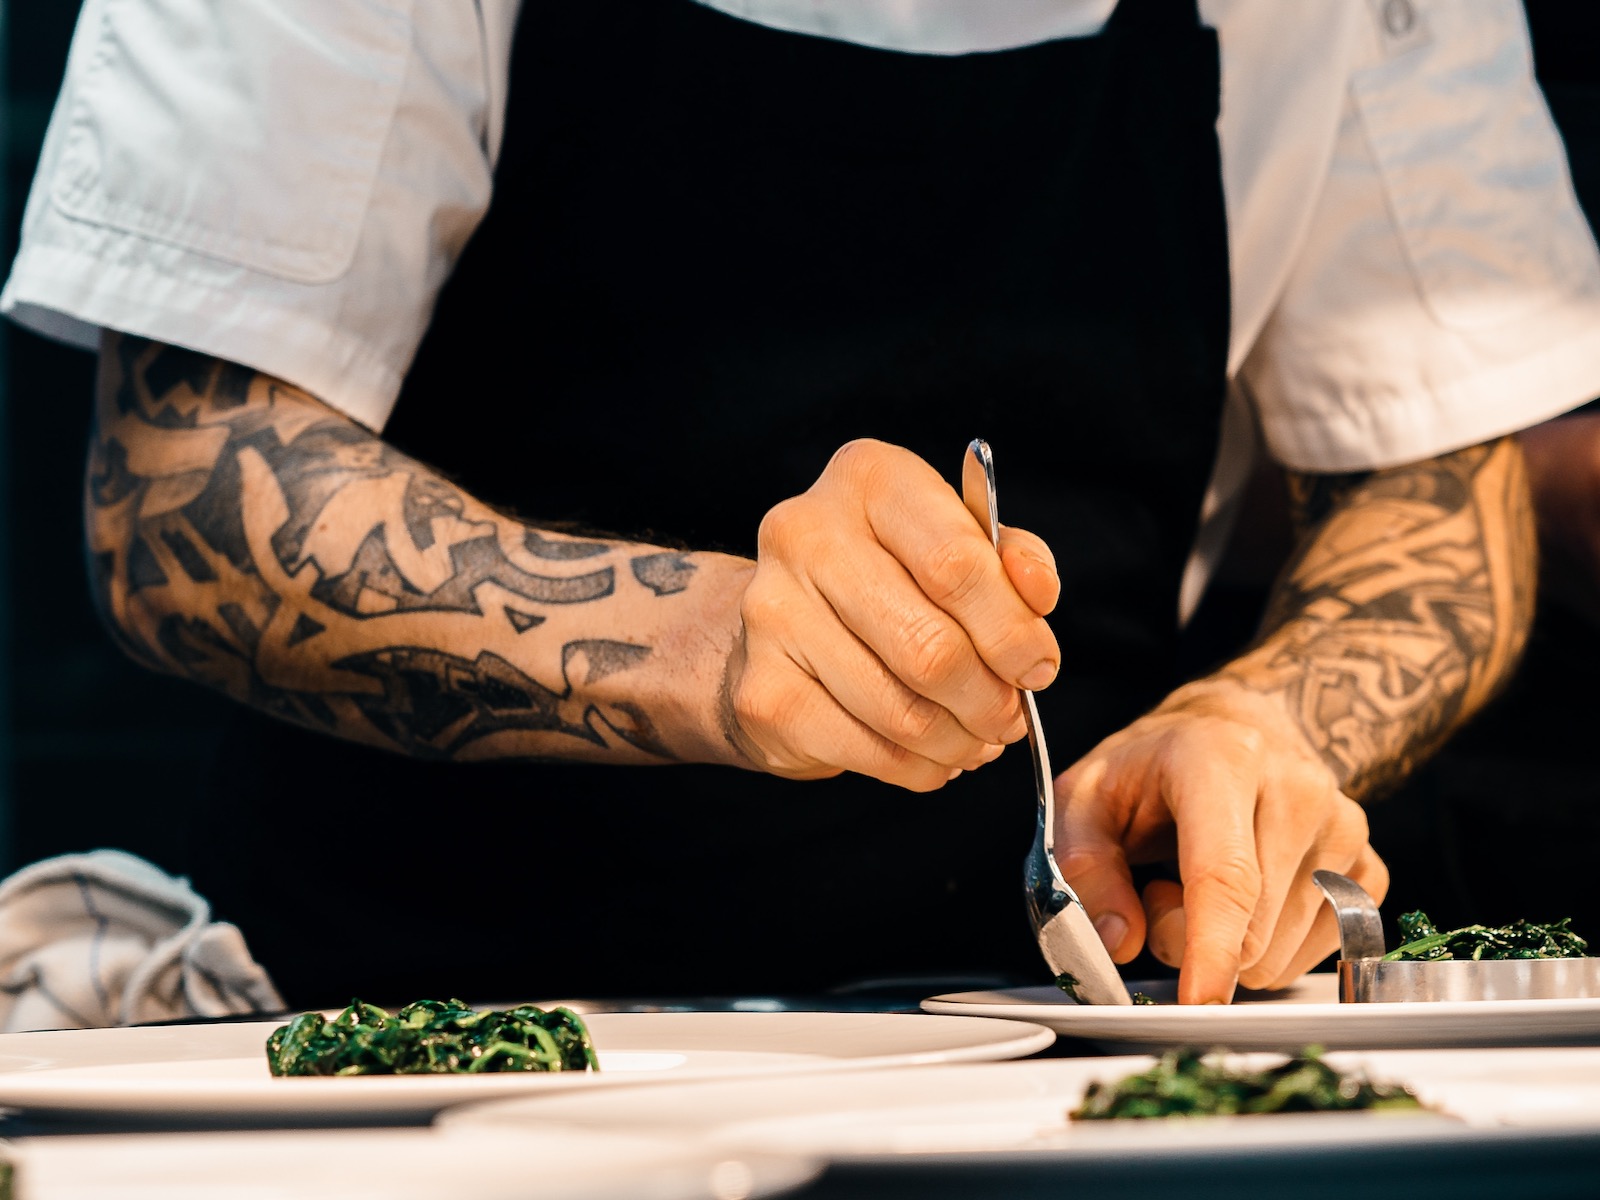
(1422, 942)
(1069, 984)
(1190, 1083)
(431, 1037)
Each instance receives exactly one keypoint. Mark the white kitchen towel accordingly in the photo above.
(105, 938)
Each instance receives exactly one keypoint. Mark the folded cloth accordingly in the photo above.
(105, 938)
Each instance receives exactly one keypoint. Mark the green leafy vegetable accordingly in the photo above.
(431, 1037)
(1188, 1083)
(1069, 984)
(1521, 939)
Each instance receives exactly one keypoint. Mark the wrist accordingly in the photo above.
(643, 685)
(700, 653)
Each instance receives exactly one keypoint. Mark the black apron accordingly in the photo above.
(716, 253)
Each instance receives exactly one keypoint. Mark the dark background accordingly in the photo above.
(101, 753)
(96, 752)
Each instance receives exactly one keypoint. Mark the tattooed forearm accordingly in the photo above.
(1405, 607)
(247, 537)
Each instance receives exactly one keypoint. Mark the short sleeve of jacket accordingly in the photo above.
(1448, 288)
(282, 183)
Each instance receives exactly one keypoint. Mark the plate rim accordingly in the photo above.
(1291, 1135)
(1288, 1022)
(952, 1004)
(37, 1089)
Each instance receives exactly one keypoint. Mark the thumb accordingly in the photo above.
(1093, 862)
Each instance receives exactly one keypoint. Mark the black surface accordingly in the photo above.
(103, 752)
(1561, 1165)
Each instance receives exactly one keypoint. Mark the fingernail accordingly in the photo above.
(954, 771)
(992, 752)
(1039, 676)
(1112, 928)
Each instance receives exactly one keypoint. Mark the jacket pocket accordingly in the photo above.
(246, 130)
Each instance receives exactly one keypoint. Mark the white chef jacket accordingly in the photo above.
(287, 183)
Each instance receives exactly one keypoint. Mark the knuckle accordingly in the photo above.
(1228, 739)
(914, 721)
(1314, 787)
(784, 529)
(934, 650)
(1000, 719)
(762, 607)
(760, 705)
(1231, 881)
(899, 766)
(1258, 976)
(1018, 640)
(1342, 834)
(954, 572)
(1373, 875)
(1350, 821)
(1253, 952)
(1249, 741)
(858, 460)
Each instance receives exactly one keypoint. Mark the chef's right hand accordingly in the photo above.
(882, 633)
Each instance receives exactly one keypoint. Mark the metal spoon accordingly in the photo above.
(1066, 936)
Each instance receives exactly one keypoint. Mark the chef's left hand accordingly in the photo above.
(1218, 779)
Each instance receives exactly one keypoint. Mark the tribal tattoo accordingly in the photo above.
(247, 537)
(1406, 606)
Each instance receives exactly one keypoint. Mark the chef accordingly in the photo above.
(647, 461)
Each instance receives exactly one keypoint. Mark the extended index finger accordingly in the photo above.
(1213, 800)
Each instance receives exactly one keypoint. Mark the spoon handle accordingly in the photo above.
(1067, 938)
(978, 493)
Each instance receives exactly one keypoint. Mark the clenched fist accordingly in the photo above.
(883, 633)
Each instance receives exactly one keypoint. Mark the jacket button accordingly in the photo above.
(1399, 17)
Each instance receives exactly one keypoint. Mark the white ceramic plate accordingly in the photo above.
(1307, 1013)
(219, 1072)
(1020, 1109)
(415, 1164)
